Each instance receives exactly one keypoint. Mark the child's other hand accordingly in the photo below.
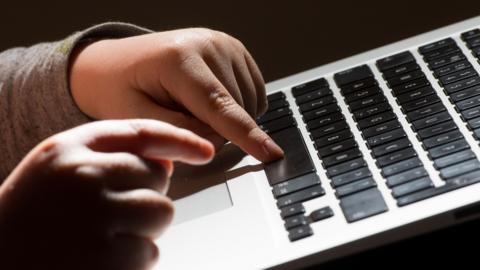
(198, 79)
(94, 197)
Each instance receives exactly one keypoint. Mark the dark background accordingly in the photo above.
(285, 38)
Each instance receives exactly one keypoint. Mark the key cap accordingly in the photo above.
(457, 76)
(355, 187)
(362, 205)
(296, 161)
(326, 130)
(341, 157)
(379, 129)
(470, 34)
(415, 94)
(309, 86)
(300, 232)
(399, 70)
(390, 147)
(332, 108)
(352, 75)
(474, 123)
(295, 184)
(448, 148)
(301, 196)
(347, 89)
(442, 139)
(324, 120)
(362, 93)
(421, 102)
(471, 113)
(368, 101)
(400, 178)
(413, 186)
(275, 114)
(351, 176)
(278, 124)
(295, 221)
(441, 52)
(449, 59)
(321, 214)
(337, 147)
(275, 96)
(376, 119)
(435, 45)
(395, 60)
(292, 210)
(345, 167)
(414, 75)
(333, 138)
(313, 95)
(396, 157)
(276, 104)
(431, 120)
(467, 93)
(463, 84)
(453, 158)
(401, 166)
(472, 43)
(316, 103)
(425, 111)
(445, 70)
(435, 130)
(460, 168)
(386, 137)
(372, 110)
(468, 103)
(409, 86)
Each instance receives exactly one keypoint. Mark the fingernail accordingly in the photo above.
(272, 149)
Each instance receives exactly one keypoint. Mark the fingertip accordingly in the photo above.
(272, 150)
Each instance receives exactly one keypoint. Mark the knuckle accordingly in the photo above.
(220, 101)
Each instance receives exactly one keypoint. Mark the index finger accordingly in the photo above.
(199, 90)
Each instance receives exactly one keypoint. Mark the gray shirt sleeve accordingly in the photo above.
(35, 99)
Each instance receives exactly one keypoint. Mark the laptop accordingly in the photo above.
(379, 147)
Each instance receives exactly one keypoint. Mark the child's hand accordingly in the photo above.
(94, 197)
(198, 79)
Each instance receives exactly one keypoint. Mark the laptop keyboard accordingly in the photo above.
(294, 179)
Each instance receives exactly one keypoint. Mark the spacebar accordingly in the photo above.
(296, 161)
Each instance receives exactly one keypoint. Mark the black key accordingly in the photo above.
(355, 187)
(363, 204)
(372, 110)
(390, 147)
(441, 52)
(431, 120)
(435, 130)
(386, 137)
(395, 60)
(368, 101)
(295, 184)
(335, 148)
(324, 131)
(442, 139)
(321, 214)
(401, 166)
(278, 124)
(275, 114)
(476, 52)
(435, 45)
(292, 210)
(409, 86)
(417, 74)
(317, 103)
(352, 75)
(415, 94)
(399, 70)
(296, 161)
(376, 119)
(421, 102)
(345, 167)
(442, 71)
(460, 168)
(471, 113)
(425, 111)
(275, 96)
(309, 86)
(396, 157)
(324, 120)
(448, 148)
(313, 95)
(347, 89)
(457, 76)
(474, 42)
(468, 103)
(467, 93)
(276, 104)
(451, 184)
(351, 176)
(333, 138)
(382, 128)
(341, 157)
(321, 112)
(413, 186)
(474, 123)
(295, 221)
(301, 196)
(406, 176)
(471, 34)
(446, 161)
(463, 84)
(298, 233)
(476, 132)
(443, 61)
(362, 93)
